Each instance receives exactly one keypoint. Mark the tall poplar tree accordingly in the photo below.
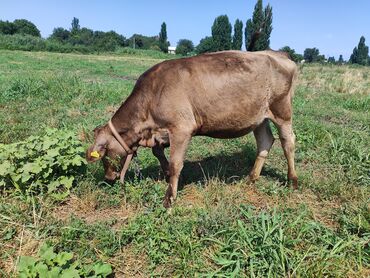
(261, 24)
(221, 33)
(163, 43)
(238, 35)
(360, 53)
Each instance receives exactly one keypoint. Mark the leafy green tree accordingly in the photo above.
(293, 55)
(163, 43)
(26, 27)
(60, 34)
(184, 46)
(312, 55)
(108, 41)
(7, 28)
(360, 53)
(205, 45)
(353, 59)
(19, 26)
(266, 29)
(254, 25)
(238, 35)
(75, 25)
(221, 33)
(340, 60)
(331, 60)
(143, 42)
(261, 24)
(83, 36)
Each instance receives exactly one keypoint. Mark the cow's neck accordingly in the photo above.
(126, 120)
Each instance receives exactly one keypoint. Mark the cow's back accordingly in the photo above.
(223, 94)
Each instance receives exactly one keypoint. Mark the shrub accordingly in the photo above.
(151, 53)
(32, 43)
(41, 164)
(206, 45)
(51, 264)
(184, 47)
(22, 42)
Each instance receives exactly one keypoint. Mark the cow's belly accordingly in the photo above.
(230, 127)
(225, 134)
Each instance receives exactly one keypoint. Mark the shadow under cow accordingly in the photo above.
(226, 167)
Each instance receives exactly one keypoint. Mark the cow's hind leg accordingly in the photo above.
(264, 139)
(287, 139)
(158, 152)
(178, 145)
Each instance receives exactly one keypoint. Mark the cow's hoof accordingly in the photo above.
(168, 202)
(251, 180)
(295, 183)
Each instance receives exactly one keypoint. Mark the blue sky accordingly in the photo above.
(333, 26)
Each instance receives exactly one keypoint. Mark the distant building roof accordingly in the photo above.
(173, 48)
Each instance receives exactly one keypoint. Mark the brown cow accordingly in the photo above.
(222, 95)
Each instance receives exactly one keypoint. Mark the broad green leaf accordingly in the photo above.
(86, 269)
(25, 177)
(70, 273)
(77, 160)
(5, 168)
(60, 196)
(47, 253)
(102, 269)
(54, 272)
(66, 181)
(52, 153)
(53, 186)
(42, 269)
(26, 262)
(48, 143)
(32, 168)
(62, 258)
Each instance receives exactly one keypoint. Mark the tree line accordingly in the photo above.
(23, 34)
(223, 39)
(261, 23)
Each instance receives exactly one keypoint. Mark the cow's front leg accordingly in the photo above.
(178, 145)
(158, 152)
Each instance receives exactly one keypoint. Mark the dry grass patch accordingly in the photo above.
(322, 210)
(86, 208)
(24, 244)
(216, 191)
(130, 263)
(346, 79)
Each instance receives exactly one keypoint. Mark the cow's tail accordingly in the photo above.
(254, 38)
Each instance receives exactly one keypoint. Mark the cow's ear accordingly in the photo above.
(97, 130)
(95, 152)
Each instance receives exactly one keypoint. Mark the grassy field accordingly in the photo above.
(219, 226)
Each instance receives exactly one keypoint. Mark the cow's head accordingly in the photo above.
(108, 149)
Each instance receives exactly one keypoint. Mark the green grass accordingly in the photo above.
(219, 226)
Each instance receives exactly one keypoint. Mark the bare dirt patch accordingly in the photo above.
(86, 209)
(322, 210)
(191, 197)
